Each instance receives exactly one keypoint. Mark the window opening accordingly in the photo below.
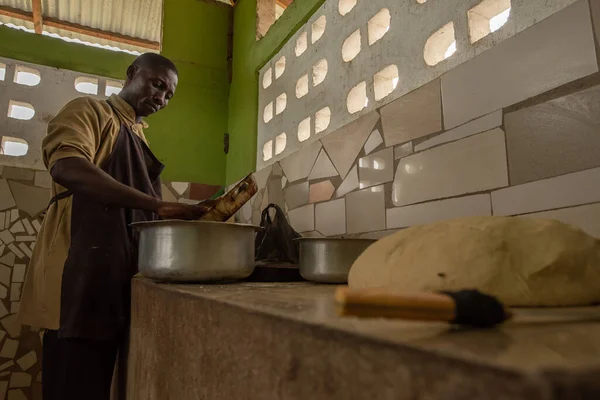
(14, 147)
(379, 25)
(86, 85)
(357, 98)
(441, 45)
(351, 46)
(304, 130)
(27, 76)
(20, 110)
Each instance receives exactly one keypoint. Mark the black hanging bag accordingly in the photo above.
(275, 242)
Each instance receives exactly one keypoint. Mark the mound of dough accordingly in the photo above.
(522, 261)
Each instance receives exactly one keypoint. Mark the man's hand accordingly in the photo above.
(184, 211)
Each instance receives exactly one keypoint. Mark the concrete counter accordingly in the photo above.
(285, 341)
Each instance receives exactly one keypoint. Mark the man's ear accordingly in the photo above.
(131, 71)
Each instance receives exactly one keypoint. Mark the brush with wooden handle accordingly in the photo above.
(231, 202)
(468, 307)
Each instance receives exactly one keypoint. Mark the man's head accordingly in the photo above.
(151, 82)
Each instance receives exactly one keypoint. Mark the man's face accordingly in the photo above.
(150, 89)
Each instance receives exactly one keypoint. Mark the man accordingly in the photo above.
(105, 177)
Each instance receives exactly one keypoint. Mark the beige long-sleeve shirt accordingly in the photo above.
(85, 128)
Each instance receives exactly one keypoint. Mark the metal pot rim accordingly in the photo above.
(335, 239)
(171, 222)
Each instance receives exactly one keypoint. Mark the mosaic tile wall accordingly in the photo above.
(24, 193)
(513, 131)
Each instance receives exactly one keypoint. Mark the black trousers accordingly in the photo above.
(77, 369)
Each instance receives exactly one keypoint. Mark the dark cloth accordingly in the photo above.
(77, 369)
(79, 358)
(102, 259)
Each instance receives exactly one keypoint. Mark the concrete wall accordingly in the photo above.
(56, 87)
(188, 136)
(511, 131)
(249, 56)
(410, 26)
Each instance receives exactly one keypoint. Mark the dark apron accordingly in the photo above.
(102, 258)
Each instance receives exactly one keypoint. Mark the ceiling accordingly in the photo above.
(127, 25)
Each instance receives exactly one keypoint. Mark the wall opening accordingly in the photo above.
(268, 113)
(112, 87)
(441, 45)
(86, 85)
(322, 119)
(319, 72)
(279, 67)
(318, 29)
(351, 46)
(301, 44)
(267, 78)
(268, 150)
(357, 98)
(487, 17)
(379, 25)
(499, 20)
(345, 6)
(280, 142)
(14, 147)
(302, 87)
(20, 110)
(27, 76)
(304, 130)
(385, 82)
(280, 103)
(2, 71)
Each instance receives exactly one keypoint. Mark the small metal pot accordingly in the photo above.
(195, 251)
(328, 260)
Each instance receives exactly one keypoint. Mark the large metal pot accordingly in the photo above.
(328, 260)
(195, 251)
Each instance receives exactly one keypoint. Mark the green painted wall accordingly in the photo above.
(188, 135)
(248, 57)
(60, 54)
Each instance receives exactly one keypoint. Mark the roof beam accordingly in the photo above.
(100, 34)
(71, 27)
(36, 6)
(16, 13)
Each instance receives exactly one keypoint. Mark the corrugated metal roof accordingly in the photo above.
(136, 18)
